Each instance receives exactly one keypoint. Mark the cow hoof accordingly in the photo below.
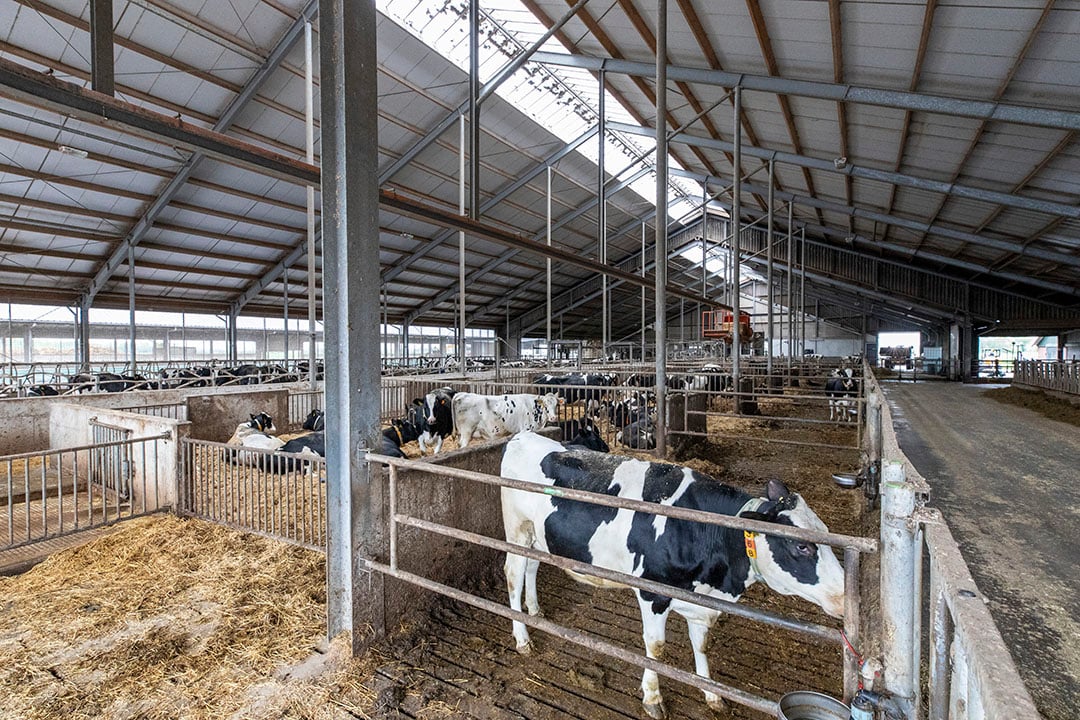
(525, 649)
(717, 705)
(537, 612)
(657, 711)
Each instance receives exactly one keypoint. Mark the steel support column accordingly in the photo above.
(769, 276)
(660, 327)
(736, 249)
(131, 306)
(350, 231)
(309, 143)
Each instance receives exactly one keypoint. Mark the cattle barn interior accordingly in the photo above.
(765, 261)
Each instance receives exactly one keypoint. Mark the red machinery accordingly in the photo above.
(717, 324)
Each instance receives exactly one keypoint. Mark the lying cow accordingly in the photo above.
(400, 432)
(258, 432)
(697, 557)
(490, 416)
(841, 390)
(582, 433)
(315, 420)
(310, 445)
(639, 435)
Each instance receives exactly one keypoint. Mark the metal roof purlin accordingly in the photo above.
(900, 99)
(143, 225)
(495, 262)
(489, 87)
(973, 193)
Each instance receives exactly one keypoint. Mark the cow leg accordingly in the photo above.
(699, 639)
(438, 444)
(531, 600)
(422, 444)
(654, 630)
(515, 569)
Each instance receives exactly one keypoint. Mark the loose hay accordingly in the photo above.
(1046, 405)
(171, 618)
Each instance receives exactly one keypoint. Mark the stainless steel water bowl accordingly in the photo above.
(807, 705)
(847, 480)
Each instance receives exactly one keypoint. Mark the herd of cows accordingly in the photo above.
(171, 378)
(716, 561)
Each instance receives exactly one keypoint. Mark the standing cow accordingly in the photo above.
(493, 415)
(701, 558)
(841, 389)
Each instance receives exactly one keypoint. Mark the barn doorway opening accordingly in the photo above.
(998, 355)
(899, 349)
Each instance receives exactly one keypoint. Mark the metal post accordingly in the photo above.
(851, 621)
(769, 278)
(736, 202)
(82, 334)
(601, 218)
(548, 264)
(642, 291)
(791, 281)
(102, 63)
(802, 292)
(350, 232)
(704, 239)
(461, 244)
(131, 307)
(285, 297)
(309, 137)
(898, 560)
(660, 329)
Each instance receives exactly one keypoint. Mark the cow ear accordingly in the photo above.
(417, 401)
(252, 416)
(776, 490)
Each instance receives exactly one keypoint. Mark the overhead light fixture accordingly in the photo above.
(74, 152)
(839, 163)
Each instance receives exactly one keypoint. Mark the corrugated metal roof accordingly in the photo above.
(226, 229)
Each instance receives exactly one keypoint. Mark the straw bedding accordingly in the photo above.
(173, 618)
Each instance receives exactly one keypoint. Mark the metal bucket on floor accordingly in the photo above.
(807, 705)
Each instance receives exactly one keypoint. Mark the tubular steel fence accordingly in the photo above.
(1056, 375)
(56, 492)
(279, 495)
(967, 671)
(172, 411)
(852, 547)
(301, 403)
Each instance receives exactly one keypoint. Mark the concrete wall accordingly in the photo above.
(462, 504)
(154, 465)
(24, 422)
(215, 415)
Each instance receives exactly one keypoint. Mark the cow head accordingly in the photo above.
(437, 400)
(263, 423)
(316, 420)
(549, 404)
(796, 567)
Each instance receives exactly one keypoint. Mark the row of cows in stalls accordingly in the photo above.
(176, 378)
(445, 412)
(716, 561)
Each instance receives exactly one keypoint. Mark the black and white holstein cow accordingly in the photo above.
(401, 431)
(315, 420)
(255, 433)
(572, 387)
(434, 419)
(700, 558)
(841, 390)
(490, 416)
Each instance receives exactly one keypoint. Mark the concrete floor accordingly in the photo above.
(1006, 479)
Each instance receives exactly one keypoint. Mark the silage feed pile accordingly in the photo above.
(173, 618)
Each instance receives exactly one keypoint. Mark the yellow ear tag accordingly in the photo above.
(751, 548)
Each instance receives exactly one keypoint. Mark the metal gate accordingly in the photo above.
(110, 466)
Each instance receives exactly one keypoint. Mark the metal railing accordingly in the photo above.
(56, 492)
(1056, 375)
(302, 402)
(275, 494)
(969, 672)
(852, 547)
(172, 411)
